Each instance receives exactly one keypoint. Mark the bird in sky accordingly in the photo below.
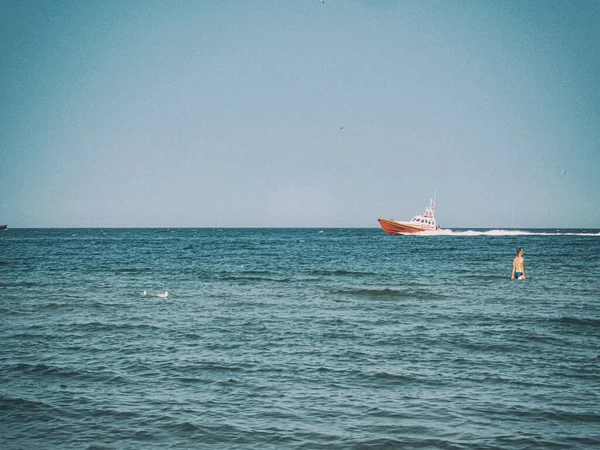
(563, 171)
(322, 1)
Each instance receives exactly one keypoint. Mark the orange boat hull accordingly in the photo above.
(392, 227)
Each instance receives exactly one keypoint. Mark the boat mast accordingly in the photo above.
(430, 210)
(435, 225)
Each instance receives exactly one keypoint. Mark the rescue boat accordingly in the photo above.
(424, 221)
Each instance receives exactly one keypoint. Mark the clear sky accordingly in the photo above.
(221, 113)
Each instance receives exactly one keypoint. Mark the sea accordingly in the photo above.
(298, 338)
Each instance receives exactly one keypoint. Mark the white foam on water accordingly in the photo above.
(499, 232)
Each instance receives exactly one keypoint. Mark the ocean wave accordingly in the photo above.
(56, 305)
(576, 321)
(340, 272)
(102, 326)
(120, 270)
(390, 294)
(6, 311)
(21, 283)
(6, 401)
(386, 378)
(133, 270)
(388, 442)
(42, 369)
(252, 278)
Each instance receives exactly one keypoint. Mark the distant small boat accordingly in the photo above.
(3, 227)
(424, 221)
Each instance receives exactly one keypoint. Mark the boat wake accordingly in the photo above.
(449, 232)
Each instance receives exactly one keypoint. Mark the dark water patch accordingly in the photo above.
(8, 311)
(29, 335)
(575, 322)
(10, 403)
(340, 273)
(495, 278)
(216, 367)
(112, 326)
(242, 278)
(488, 347)
(229, 382)
(390, 294)
(185, 427)
(552, 414)
(194, 380)
(20, 283)
(23, 413)
(321, 370)
(255, 272)
(118, 268)
(52, 305)
(385, 379)
(26, 369)
(391, 442)
(226, 345)
(132, 270)
(116, 414)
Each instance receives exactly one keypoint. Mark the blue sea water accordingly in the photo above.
(298, 338)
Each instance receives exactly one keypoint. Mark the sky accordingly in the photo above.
(297, 113)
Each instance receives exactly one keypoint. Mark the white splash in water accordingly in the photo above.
(499, 232)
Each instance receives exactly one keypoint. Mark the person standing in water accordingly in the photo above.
(518, 269)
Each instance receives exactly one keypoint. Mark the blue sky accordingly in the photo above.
(230, 113)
